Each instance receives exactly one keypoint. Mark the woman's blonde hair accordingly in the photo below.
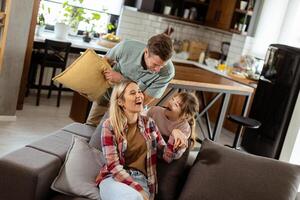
(117, 116)
(189, 107)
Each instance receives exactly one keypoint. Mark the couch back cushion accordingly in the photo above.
(171, 177)
(223, 173)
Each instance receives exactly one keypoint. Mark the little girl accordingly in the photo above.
(177, 116)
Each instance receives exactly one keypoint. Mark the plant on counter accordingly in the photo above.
(111, 28)
(41, 22)
(73, 15)
(91, 23)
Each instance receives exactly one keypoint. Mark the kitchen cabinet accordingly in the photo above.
(227, 15)
(220, 13)
(4, 17)
(193, 11)
(242, 16)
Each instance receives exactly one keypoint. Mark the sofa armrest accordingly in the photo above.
(27, 174)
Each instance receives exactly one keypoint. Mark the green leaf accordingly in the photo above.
(96, 16)
(65, 4)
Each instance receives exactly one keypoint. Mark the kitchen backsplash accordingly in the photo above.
(141, 26)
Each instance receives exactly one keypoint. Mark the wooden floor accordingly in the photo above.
(34, 122)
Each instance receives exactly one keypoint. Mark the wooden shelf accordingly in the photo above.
(244, 11)
(2, 15)
(238, 32)
(175, 18)
(235, 31)
(197, 2)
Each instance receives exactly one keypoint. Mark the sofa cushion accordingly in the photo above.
(27, 174)
(85, 75)
(171, 177)
(56, 144)
(78, 174)
(66, 197)
(221, 173)
(80, 129)
(95, 140)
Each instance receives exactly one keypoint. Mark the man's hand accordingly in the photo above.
(112, 76)
(110, 61)
(180, 140)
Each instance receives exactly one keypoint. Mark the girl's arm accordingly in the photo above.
(110, 152)
(178, 143)
(173, 148)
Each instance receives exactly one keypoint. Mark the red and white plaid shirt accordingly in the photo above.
(114, 150)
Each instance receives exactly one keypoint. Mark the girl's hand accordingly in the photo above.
(180, 140)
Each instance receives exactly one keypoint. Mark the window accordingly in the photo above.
(54, 12)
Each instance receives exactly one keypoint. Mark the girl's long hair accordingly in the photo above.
(189, 107)
(117, 116)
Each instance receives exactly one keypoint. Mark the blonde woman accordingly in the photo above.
(129, 143)
(177, 117)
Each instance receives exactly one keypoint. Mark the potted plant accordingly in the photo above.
(111, 28)
(68, 15)
(90, 20)
(41, 22)
(73, 15)
(40, 25)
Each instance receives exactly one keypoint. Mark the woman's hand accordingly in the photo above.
(112, 76)
(145, 195)
(180, 140)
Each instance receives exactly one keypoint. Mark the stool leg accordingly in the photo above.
(40, 86)
(59, 95)
(51, 84)
(237, 137)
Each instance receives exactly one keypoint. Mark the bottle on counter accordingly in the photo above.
(201, 57)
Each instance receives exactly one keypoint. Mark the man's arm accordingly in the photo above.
(112, 57)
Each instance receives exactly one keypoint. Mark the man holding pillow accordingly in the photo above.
(147, 64)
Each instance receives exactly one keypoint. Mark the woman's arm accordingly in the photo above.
(110, 152)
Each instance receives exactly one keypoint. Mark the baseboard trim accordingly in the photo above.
(8, 118)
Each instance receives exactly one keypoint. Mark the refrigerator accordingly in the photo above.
(274, 101)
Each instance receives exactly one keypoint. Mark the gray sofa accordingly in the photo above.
(218, 173)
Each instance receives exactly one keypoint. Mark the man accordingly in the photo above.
(149, 65)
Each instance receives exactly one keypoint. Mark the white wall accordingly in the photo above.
(291, 147)
(141, 26)
(290, 33)
(14, 54)
(269, 26)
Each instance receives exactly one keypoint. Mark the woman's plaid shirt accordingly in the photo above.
(113, 152)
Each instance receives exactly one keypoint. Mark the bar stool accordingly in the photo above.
(56, 57)
(242, 122)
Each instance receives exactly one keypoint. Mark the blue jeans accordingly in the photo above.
(110, 189)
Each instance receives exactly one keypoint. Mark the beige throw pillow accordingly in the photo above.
(78, 174)
(85, 75)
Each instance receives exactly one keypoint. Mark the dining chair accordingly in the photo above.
(55, 57)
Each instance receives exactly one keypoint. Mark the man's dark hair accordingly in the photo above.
(161, 45)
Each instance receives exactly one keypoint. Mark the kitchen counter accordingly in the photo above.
(190, 63)
(192, 71)
(76, 41)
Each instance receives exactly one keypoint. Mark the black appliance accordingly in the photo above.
(274, 101)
